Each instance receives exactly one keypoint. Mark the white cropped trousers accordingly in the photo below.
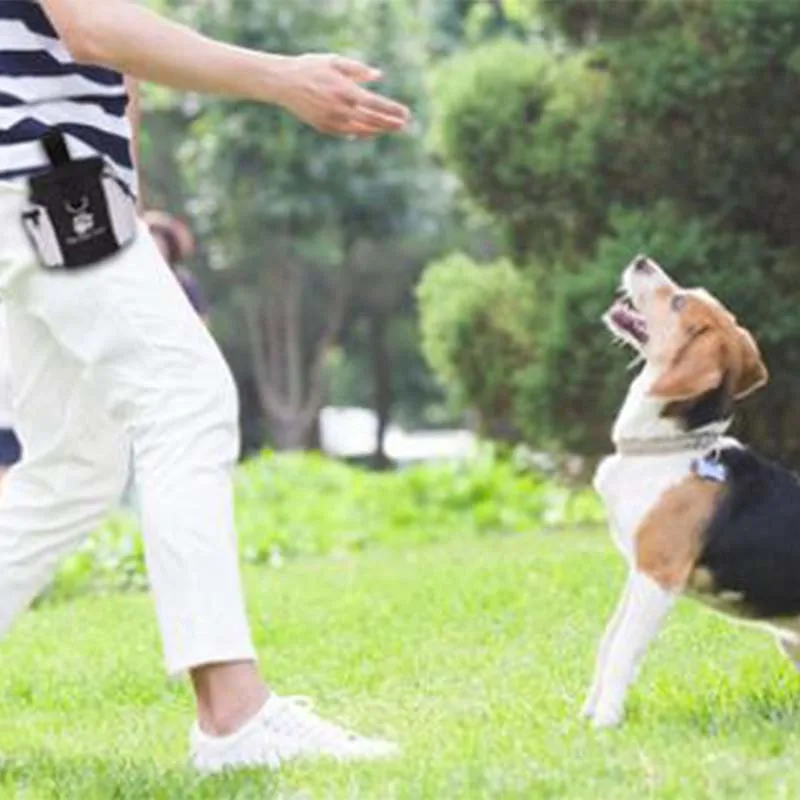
(102, 358)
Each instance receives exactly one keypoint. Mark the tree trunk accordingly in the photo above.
(382, 385)
(290, 385)
(290, 434)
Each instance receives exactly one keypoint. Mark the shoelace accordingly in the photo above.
(296, 716)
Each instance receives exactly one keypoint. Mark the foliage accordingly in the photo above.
(454, 23)
(418, 399)
(474, 328)
(554, 401)
(518, 127)
(668, 128)
(292, 505)
(291, 213)
(586, 20)
(301, 235)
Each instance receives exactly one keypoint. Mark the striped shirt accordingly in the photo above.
(42, 87)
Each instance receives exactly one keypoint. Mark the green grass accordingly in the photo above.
(474, 654)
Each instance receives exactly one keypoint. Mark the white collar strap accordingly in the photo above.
(688, 442)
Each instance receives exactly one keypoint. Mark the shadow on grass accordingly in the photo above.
(43, 776)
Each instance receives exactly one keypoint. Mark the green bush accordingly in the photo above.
(291, 505)
(476, 333)
(519, 129)
(665, 128)
(572, 392)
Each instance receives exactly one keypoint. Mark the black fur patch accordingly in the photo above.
(752, 545)
(713, 406)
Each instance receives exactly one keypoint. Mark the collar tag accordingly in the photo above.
(710, 468)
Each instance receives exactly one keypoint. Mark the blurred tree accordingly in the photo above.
(520, 129)
(475, 333)
(456, 23)
(388, 264)
(387, 272)
(666, 126)
(286, 215)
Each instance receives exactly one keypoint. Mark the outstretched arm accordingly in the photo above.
(135, 119)
(322, 90)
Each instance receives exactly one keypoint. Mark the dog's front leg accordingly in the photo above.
(602, 652)
(791, 647)
(646, 606)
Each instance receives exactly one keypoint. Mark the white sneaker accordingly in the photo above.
(285, 729)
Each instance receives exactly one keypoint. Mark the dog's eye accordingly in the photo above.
(678, 302)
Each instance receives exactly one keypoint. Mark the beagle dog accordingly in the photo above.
(692, 510)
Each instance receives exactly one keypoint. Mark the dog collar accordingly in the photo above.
(668, 444)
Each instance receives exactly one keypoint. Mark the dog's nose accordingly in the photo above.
(642, 264)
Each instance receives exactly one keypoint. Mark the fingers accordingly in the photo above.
(355, 70)
(355, 131)
(362, 123)
(364, 113)
(376, 122)
(354, 128)
(345, 107)
(371, 102)
(376, 106)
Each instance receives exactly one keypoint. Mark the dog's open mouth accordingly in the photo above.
(624, 319)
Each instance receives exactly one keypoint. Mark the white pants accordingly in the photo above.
(100, 359)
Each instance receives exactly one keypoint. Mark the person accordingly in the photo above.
(10, 451)
(112, 354)
(176, 244)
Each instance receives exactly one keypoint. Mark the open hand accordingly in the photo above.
(325, 92)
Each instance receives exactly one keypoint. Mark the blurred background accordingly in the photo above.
(387, 301)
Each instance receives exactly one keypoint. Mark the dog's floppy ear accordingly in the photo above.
(753, 373)
(696, 369)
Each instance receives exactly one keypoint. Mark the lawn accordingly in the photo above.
(474, 654)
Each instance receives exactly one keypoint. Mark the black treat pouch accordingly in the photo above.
(79, 212)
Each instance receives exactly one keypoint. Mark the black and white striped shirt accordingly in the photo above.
(41, 87)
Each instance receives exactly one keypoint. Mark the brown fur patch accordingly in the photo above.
(701, 345)
(670, 538)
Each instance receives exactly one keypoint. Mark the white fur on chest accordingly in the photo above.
(631, 485)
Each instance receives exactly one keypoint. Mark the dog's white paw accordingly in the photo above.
(607, 716)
